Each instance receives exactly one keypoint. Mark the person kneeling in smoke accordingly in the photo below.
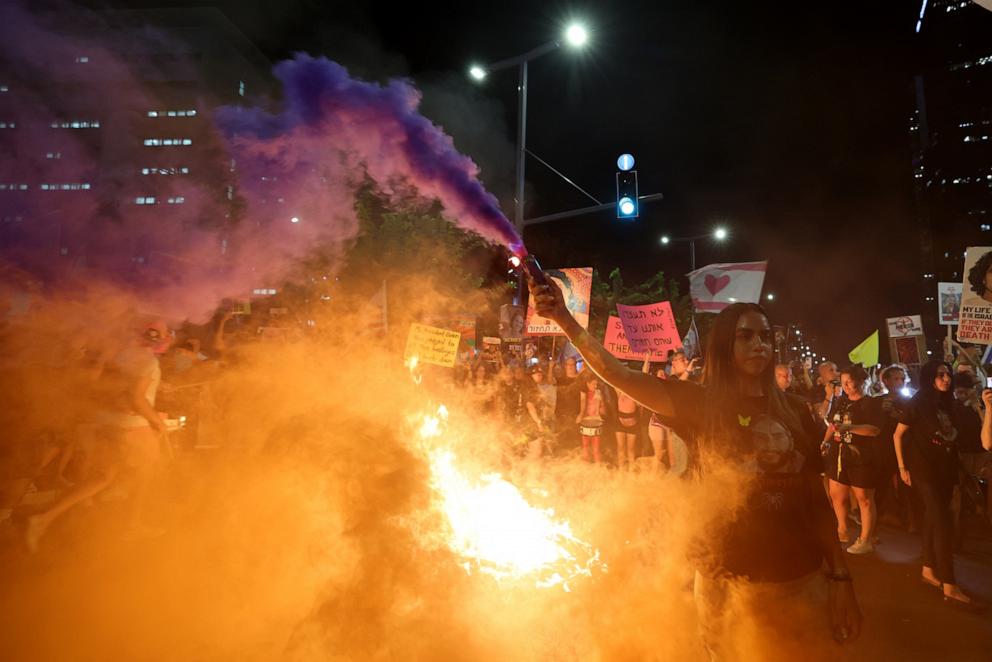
(771, 550)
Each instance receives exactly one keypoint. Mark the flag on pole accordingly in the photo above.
(867, 352)
(690, 344)
(378, 320)
(716, 286)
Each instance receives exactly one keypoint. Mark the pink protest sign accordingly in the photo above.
(615, 341)
(650, 328)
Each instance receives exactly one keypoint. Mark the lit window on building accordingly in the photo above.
(263, 291)
(13, 187)
(53, 155)
(70, 186)
(167, 142)
(186, 112)
(985, 227)
(82, 59)
(241, 88)
(4, 88)
(177, 170)
(13, 219)
(8, 125)
(144, 200)
(176, 201)
(76, 124)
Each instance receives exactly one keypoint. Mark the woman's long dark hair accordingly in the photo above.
(720, 371)
(928, 395)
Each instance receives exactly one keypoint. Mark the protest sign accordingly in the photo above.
(576, 288)
(650, 328)
(511, 322)
(431, 344)
(949, 302)
(975, 322)
(615, 341)
(906, 326)
(490, 349)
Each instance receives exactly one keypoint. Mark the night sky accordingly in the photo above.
(785, 122)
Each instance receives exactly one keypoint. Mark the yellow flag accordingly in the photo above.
(867, 352)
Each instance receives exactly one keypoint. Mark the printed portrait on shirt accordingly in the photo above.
(773, 450)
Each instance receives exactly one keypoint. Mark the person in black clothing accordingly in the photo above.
(926, 448)
(786, 531)
(892, 495)
(852, 457)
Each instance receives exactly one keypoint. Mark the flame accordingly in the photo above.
(494, 528)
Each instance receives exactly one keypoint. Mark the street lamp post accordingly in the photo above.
(719, 234)
(575, 35)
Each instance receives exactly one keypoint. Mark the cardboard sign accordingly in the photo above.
(431, 344)
(650, 328)
(615, 340)
(949, 302)
(906, 326)
(576, 287)
(512, 321)
(975, 322)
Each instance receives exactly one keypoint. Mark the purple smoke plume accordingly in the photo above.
(372, 126)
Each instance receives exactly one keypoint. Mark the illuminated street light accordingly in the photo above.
(514, 261)
(665, 239)
(477, 72)
(295, 219)
(576, 35)
(720, 234)
(770, 296)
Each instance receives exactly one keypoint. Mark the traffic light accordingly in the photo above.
(627, 204)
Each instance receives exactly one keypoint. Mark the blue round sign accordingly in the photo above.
(625, 162)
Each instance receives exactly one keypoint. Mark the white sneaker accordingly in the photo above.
(861, 547)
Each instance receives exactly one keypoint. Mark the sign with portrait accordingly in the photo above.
(949, 302)
(975, 321)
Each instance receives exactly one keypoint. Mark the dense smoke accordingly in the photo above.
(314, 533)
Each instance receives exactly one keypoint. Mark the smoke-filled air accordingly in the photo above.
(343, 501)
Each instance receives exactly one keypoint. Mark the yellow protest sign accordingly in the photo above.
(432, 345)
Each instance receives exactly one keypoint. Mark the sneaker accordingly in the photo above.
(861, 547)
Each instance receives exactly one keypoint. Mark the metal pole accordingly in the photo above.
(692, 254)
(518, 215)
(518, 209)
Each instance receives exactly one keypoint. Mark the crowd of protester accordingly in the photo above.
(910, 450)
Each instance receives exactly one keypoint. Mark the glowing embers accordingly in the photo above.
(495, 529)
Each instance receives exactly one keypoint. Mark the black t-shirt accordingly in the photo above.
(864, 411)
(932, 437)
(771, 539)
(969, 427)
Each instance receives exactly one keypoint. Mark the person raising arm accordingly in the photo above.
(786, 530)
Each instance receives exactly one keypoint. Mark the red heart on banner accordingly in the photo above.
(714, 284)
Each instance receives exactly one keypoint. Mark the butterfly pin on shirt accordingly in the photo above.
(743, 421)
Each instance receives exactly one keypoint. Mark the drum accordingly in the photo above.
(591, 427)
